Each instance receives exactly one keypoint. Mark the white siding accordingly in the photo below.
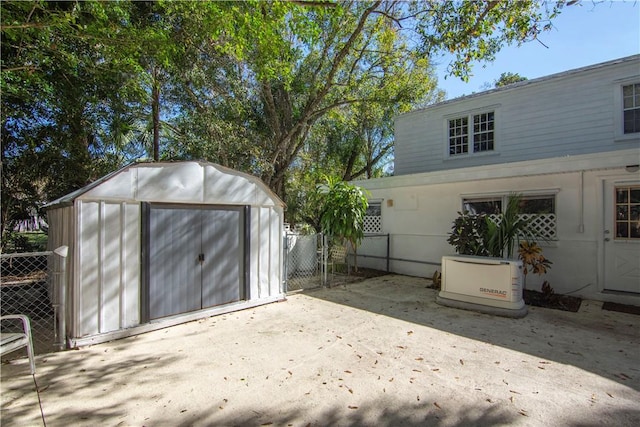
(275, 249)
(108, 281)
(102, 227)
(266, 251)
(567, 114)
(418, 212)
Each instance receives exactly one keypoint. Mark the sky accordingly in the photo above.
(585, 34)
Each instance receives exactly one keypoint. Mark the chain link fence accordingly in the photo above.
(30, 284)
(309, 260)
(303, 261)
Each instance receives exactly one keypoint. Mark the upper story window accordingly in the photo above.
(480, 137)
(631, 108)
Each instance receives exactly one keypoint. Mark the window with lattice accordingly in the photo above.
(539, 209)
(373, 218)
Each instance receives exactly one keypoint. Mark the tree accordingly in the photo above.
(343, 210)
(252, 85)
(508, 78)
(66, 90)
(475, 31)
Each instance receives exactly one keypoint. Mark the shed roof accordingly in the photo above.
(176, 182)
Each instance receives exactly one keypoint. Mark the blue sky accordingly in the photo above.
(587, 34)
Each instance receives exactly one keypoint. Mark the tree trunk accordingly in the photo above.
(155, 109)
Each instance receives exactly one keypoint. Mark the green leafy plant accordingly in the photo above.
(503, 236)
(468, 234)
(478, 234)
(345, 206)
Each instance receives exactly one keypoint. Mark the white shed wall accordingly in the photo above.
(107, 286)
(266, 252)
(61, 233)
(102, 227)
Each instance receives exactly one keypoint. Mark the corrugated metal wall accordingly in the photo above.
(102, 225)
(107, 287)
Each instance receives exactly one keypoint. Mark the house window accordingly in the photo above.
(373, 217)
(631, 108)
(627, 213)
(458, 136)
(540, 209)
(480, 139)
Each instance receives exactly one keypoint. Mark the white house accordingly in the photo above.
(156, 244)
(569, 142)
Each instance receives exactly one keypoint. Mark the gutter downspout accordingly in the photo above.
(581, 197)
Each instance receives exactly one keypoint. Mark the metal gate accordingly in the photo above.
(34, 284)
(304, 261)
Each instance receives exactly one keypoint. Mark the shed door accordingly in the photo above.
(195, 258)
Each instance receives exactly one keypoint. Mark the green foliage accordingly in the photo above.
(469, 234)
(504, 236)
(508, 78)
(480, 235)
(13, 242)
(284, 90)
(476, 30)
(344, 208)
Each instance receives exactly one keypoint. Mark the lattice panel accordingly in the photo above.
(372, 224)
(542, 225)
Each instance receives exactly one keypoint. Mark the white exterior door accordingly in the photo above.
(622, 236)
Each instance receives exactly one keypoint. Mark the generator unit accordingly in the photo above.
(489, 285)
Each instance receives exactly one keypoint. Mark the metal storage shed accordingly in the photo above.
(157, 244)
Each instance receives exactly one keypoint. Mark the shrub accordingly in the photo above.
(478, 234)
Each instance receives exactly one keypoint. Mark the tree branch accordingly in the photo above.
(312, 3)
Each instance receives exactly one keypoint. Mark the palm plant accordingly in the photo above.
(481, 235)
(502, 237)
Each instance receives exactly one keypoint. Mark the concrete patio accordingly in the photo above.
(379, 352)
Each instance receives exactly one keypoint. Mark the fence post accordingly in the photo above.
(325, 258)
(285, 262)
(60, 312)
(388, 247)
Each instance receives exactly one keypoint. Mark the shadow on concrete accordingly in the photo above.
(372, 414)
(56, 380)
(602, 342)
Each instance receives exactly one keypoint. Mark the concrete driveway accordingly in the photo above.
(378, 352)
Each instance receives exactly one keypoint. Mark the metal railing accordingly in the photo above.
(34, 284)
(372, 252)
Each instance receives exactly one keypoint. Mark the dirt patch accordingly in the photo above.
(622, 308)
(554, 301)
(356, 276)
